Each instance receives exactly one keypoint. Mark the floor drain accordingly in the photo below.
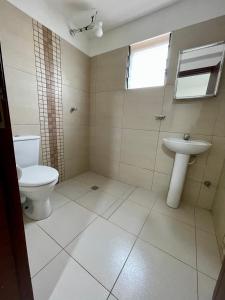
(94, 187)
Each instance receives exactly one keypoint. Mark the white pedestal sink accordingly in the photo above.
(183, 149)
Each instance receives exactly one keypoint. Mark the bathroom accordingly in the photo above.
(106, 231)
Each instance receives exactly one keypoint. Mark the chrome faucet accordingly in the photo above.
(186, 137)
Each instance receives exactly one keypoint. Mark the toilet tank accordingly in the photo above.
(26, 150)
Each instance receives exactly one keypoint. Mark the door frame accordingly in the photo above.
(15, 279)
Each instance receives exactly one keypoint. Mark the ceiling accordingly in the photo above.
(113, 13)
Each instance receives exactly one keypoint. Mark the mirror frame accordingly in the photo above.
(219, 73)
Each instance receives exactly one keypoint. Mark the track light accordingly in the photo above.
(93, 25)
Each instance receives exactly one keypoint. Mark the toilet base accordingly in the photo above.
(37, 210)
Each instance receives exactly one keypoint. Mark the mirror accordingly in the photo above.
(199, 71)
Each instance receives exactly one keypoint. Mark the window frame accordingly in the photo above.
(169, 34)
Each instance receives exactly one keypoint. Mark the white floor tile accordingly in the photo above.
(130, 216)
(184, 213)
(102, 249)
(67, 222)
(152, 274)
(97, 201)
(64, 279)
(208, 259)
(72, 189)
(204, 220)
(172, 236)
(117, 188)
(108, 213)
(91, 179)
(206, 287)
(40, 247)
(144, 197)
(58, 200)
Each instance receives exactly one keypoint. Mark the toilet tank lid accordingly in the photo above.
(25, 137)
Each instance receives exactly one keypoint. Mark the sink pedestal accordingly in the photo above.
(177, 179)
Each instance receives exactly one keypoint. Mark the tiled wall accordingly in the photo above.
(75, 92)
(219, 213)
(47, 50)
(23, 88)
(125, 138)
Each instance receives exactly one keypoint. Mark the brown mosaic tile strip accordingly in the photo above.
(47, 51)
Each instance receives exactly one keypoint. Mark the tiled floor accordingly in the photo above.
(120, 242)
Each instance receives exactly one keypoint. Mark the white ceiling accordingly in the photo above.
(127, 21)
(113, 13)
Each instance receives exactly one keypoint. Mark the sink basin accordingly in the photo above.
(183, 149)
(189, 147)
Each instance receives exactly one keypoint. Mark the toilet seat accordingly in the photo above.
(35, 176)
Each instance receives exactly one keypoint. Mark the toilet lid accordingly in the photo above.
(38, 175)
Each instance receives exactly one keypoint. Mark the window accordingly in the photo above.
(147, 65)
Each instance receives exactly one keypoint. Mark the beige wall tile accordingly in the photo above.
(206, 196)
(215, 160)
(219, 128)
(106, 167)
(202, 118)
(16, 35)
(141, 106)
(161, 183)
(93, 72)
(115, 57)
(218, 216)
(197, 169)
(22, 97)
(190, 116)
(25, 130)
(139, 148)
(136, 176)
(75, 67)
(76, 142)
(109, 108)
(111, 70)
(106, 142)
(77, 99)
(92, 110)
(74, 167)
(110, 81)
(191, 191)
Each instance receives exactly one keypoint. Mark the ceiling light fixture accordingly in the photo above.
(97, 26)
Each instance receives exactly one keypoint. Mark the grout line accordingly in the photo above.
(137, 237)
(169, 254)
(196, 251)
(123, 265)
(93, 212)
(210, 277)
(47, 264)
(111, 294)
(23, 71)
(87, 271)
(172, 217)
(127, 196)
(49, 235)
(62, 248)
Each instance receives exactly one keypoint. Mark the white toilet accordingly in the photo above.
(35, 182)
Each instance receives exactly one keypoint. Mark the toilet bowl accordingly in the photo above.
(36, 184)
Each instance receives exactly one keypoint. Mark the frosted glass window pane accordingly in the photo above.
(148, 65)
